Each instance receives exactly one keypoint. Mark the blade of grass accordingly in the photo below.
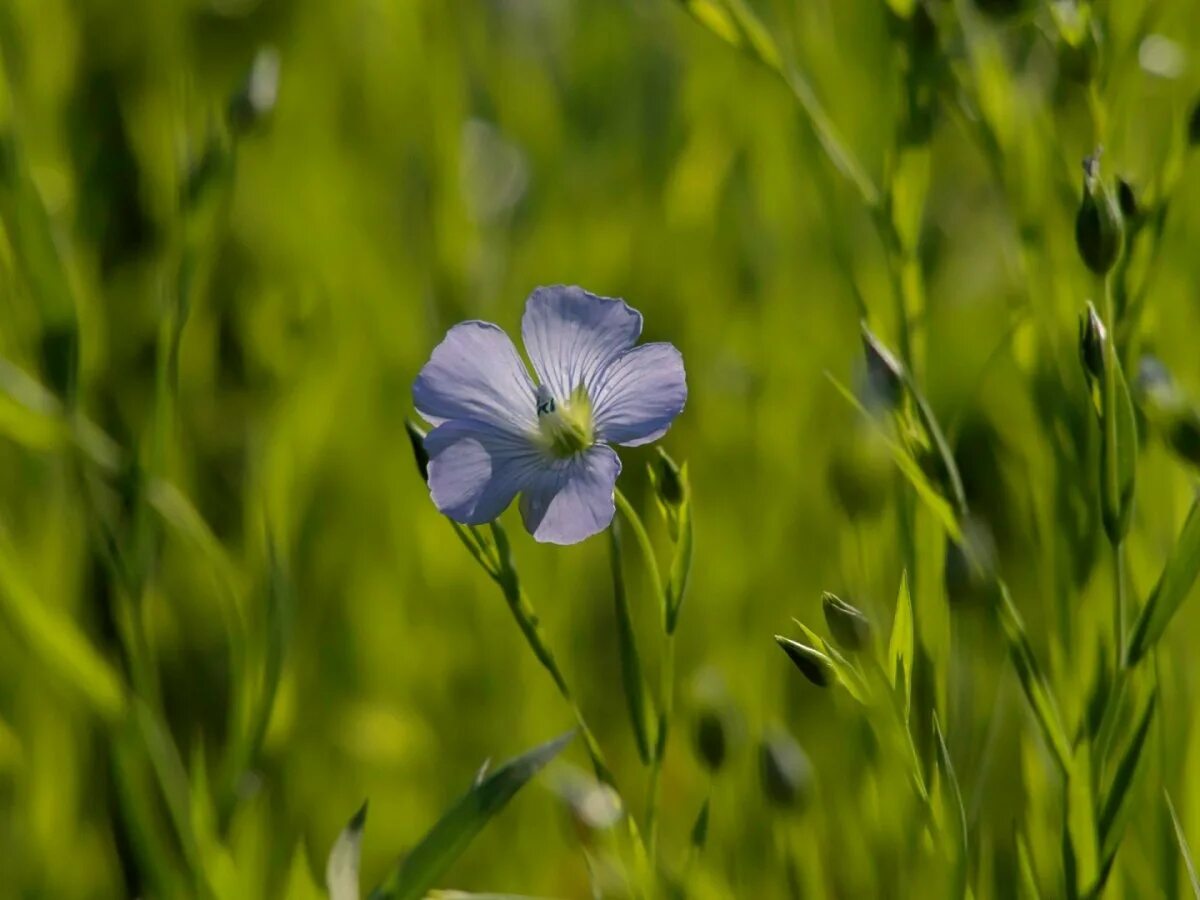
(1033, 681)
(416, 874)
(1184, 850)
(954, 810)
(1176, 581)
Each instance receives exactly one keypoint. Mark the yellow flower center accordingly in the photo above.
(565, 428)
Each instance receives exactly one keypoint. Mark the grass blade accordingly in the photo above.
(1118, 451)
(900, 645)
(1115, 811)
(954, 809)
(415, 875)
(1033, 681)
(1081, 855)
(1184, 850)
(632, 678)
(908, 467)
(1176, 580)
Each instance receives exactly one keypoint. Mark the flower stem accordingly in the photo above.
(647, 549)
(531, 627)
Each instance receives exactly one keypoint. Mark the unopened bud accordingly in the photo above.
(1193, 131)
(256, 98)
(849, 627)
(784, 770)
(1092, 335)
(1098, 227)
(885, 375)
(1127, 200)
(711, 739)
(813, 664)
(416, 437)
(668, 480)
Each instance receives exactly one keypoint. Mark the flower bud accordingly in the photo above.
(416, 437)
(784, 770)
(813, 664)
(1098, 227)
(256, 98)
(1193, 131)
(668, 480)
(711, 739)
(851, 629)
(885, 375)
(1092, 335)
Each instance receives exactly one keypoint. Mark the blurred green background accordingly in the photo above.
(243, 315)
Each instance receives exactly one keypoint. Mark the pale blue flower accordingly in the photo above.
(498, 433)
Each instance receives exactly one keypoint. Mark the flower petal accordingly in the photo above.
(571, 335)
(475, 373)
(475, 469)
(573, 498)
(636, 398)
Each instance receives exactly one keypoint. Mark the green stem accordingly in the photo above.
(530, 625)
(666, 704)
(1119, 614)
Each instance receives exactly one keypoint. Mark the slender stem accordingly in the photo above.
(666, 705)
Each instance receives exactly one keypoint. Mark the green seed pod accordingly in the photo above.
(1092, 336)
(668, 481)
(849, 627)
(416, 437)
(813, 664)
(784, 770)
(885, 375)
(1099, 230)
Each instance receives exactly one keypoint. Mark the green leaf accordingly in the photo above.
(900, 645)
(1026, 870)
(55, 642)
(1118, 450)
(632, 678)
(1033, 682)
(681, 562)
(1116, 809)
(415, 875)
(1083, 853)
(955, 811)
(908, 467)
(925, 413)
(341, 870)
(1184, 850)
(1176, 580)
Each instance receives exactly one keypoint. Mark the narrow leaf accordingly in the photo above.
(900, 645)
(1116, 809)
(700, 827)
(1184, 850)
(1025, 869)
(341, 871)
(908, 467)
(632, 678)
(414, 876)
(1033, 682)
(681, 564)
(1176, 580)
(925, 413)
(955, 811)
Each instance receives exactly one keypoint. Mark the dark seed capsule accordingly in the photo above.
(813, 664)
(784, 771)
(711, 739)
(885, 375)
(1194, 125)
(1127, 200)
(670, 480)
(1098, 227)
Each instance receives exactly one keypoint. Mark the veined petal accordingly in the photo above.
(571, 335)
(475, 373)
(572, 499)
(475, 469)
(638, 396)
